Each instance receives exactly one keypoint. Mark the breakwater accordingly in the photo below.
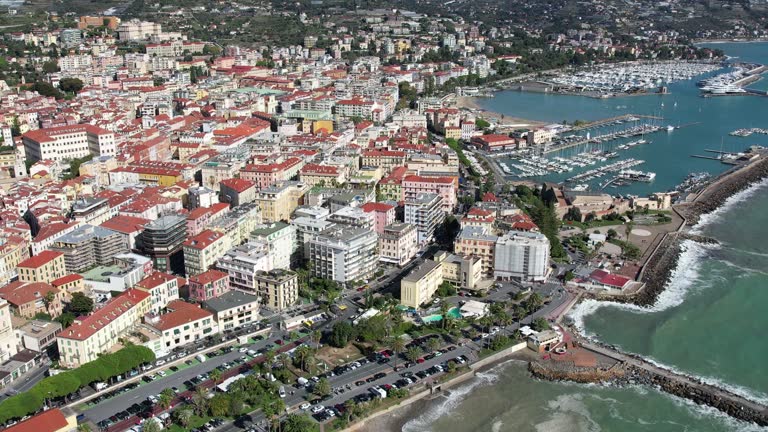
(633, 370)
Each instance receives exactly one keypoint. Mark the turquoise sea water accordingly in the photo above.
(708, 323)
(706, 124)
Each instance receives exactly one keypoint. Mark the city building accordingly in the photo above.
(13, 250)
(208, 285)
(38, 335)
(89, 245)
(92, 210)
(124, 272)
(163, 240)
(129, 227)
(425, 212)
(138, 30)
(279, 201)
(242, 263)
(43, 267)
(384, 214)
(236, 191)
(68, 142)
(182, 324)
(522, 255)
(202, 251)
(279, 238)
(446, 187)
(8, 344)
(28, 299)
(464, 272)
(418, 286)
(233, 310)
(52, 420)
(96, 333)
(398, 243)
(343, 254)
(277, 288)
(323, 175)
(476, 241)
(162, 287)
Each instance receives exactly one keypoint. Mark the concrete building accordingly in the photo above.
(68, 142)
(208, 285)
(38, 335)
(418, 286)
(98, 332)
(398, 244)
(354, 217)
(278, 202)
(129, 227)
(8, 345)
(279, 238)
(124, 272)
(344, 254)
(476, 241)
(162, 287)
(324, 175)
(89, 245)
(202, 251)
(522, 255)
(52, 420)
(242, 263)
(183, 324)
(446, 187)
(384, 214)
(233, 310)
(277, 288)
(43, 267)
(163, 240)
(465, 272)
(306, 227)
(236, 191)
(424, 211)
(202, 197)
(92, 210)
(138, 30)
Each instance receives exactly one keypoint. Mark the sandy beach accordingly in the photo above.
(503, 121)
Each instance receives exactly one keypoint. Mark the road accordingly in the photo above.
(27, 382)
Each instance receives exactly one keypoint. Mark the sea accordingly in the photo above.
(708, 323)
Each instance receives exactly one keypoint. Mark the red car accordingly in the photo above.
(279, 342)
(421, 360)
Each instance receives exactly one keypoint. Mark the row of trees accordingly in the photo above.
(66, 383)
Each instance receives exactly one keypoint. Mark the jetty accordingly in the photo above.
(617, 119)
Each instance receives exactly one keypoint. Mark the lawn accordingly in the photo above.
(336, 356)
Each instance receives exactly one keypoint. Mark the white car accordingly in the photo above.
(243, 350)
(330, 413)
(159, 362)
(304, 406)
(317, 408)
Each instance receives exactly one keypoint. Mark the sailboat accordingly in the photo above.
(670, 128)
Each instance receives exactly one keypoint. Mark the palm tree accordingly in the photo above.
(216, 376)
(302, 354)
(166, 397)
(519, 312)
(444, 308)
(200, 401)
(412, 354)
(397, 346)
(349, 407)
(433, 344)
(182, 416)
(628, 229)
(48, 300)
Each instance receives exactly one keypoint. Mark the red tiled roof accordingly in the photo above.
(66, 279)
(198, 213)
(237, 185)
(489, 197)
(420, 179)
(180, 313)
(317, 169)
(40, 259)
(208, 277)
(605, 278)
(125, 224)
(377, 207)
(47, 421)
(85, 327)
(154, 280)
(203, 240)
(19, 293)
(494, 138)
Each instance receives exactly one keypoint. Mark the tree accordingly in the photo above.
(299, 423)
(80, 304)
(166, 397)
(397, 345)
(322, 387)
(216, 376)
(302, 354)
(540, 324)
(66, 319)
(219, 405)
(534, 302)
(482, 124)
(433, 344)
(444, 308)
(200, 401)
(182, 416)
(412, 354)
(628, 229)
(151, 425)
(71, 85)
(50, 67)
(48, 299)
(611, 234)
(341, 334)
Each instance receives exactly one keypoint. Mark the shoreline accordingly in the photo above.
(501, 120)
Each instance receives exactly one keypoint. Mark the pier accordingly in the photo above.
(621, 118)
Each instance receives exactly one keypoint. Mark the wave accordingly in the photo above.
(569, 412)
(729, 204)
(682, 279)
(707, 412)
(454, 398)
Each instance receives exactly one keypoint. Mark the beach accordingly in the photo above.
(501, 120)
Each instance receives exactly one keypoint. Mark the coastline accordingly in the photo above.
(501, 120)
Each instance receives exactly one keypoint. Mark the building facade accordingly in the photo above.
(522, 255)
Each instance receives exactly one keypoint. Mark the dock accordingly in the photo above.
(623, 118)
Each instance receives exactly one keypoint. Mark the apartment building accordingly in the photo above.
(383, 214)
(202, 251)
(476, 241)
(265, 175)
(241, 264)
(13, 250)
(68, 142)
(279, 238)
(162, 287)
(418, 286)
(30, 298)
(522, 255)
(208, 285)
(138, 30)
(425, 212)
(279, 201)
(277, 288)
(324, 175)
(87, 246)
(343, 254)
(233, 310)
(8, 345)
(98, 332)
(46, 266)
(306, 227)
(38, 335)
(182, 324)
(446, 187)
(387, 159)
(398, 244)
(92, 210)
(236, 191)
(163, 240)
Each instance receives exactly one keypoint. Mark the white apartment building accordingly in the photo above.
(68, 142)
(398, 243)
(344, 254)
(138, 30)
(424, 211)
(163, 287)
(233, 309)
(522, 255)
(7, 336)
(410, 119)
(184, 323)
(242, 263)
(306, 227)
(280, 240)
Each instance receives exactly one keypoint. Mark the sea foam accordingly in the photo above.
(729, 204)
